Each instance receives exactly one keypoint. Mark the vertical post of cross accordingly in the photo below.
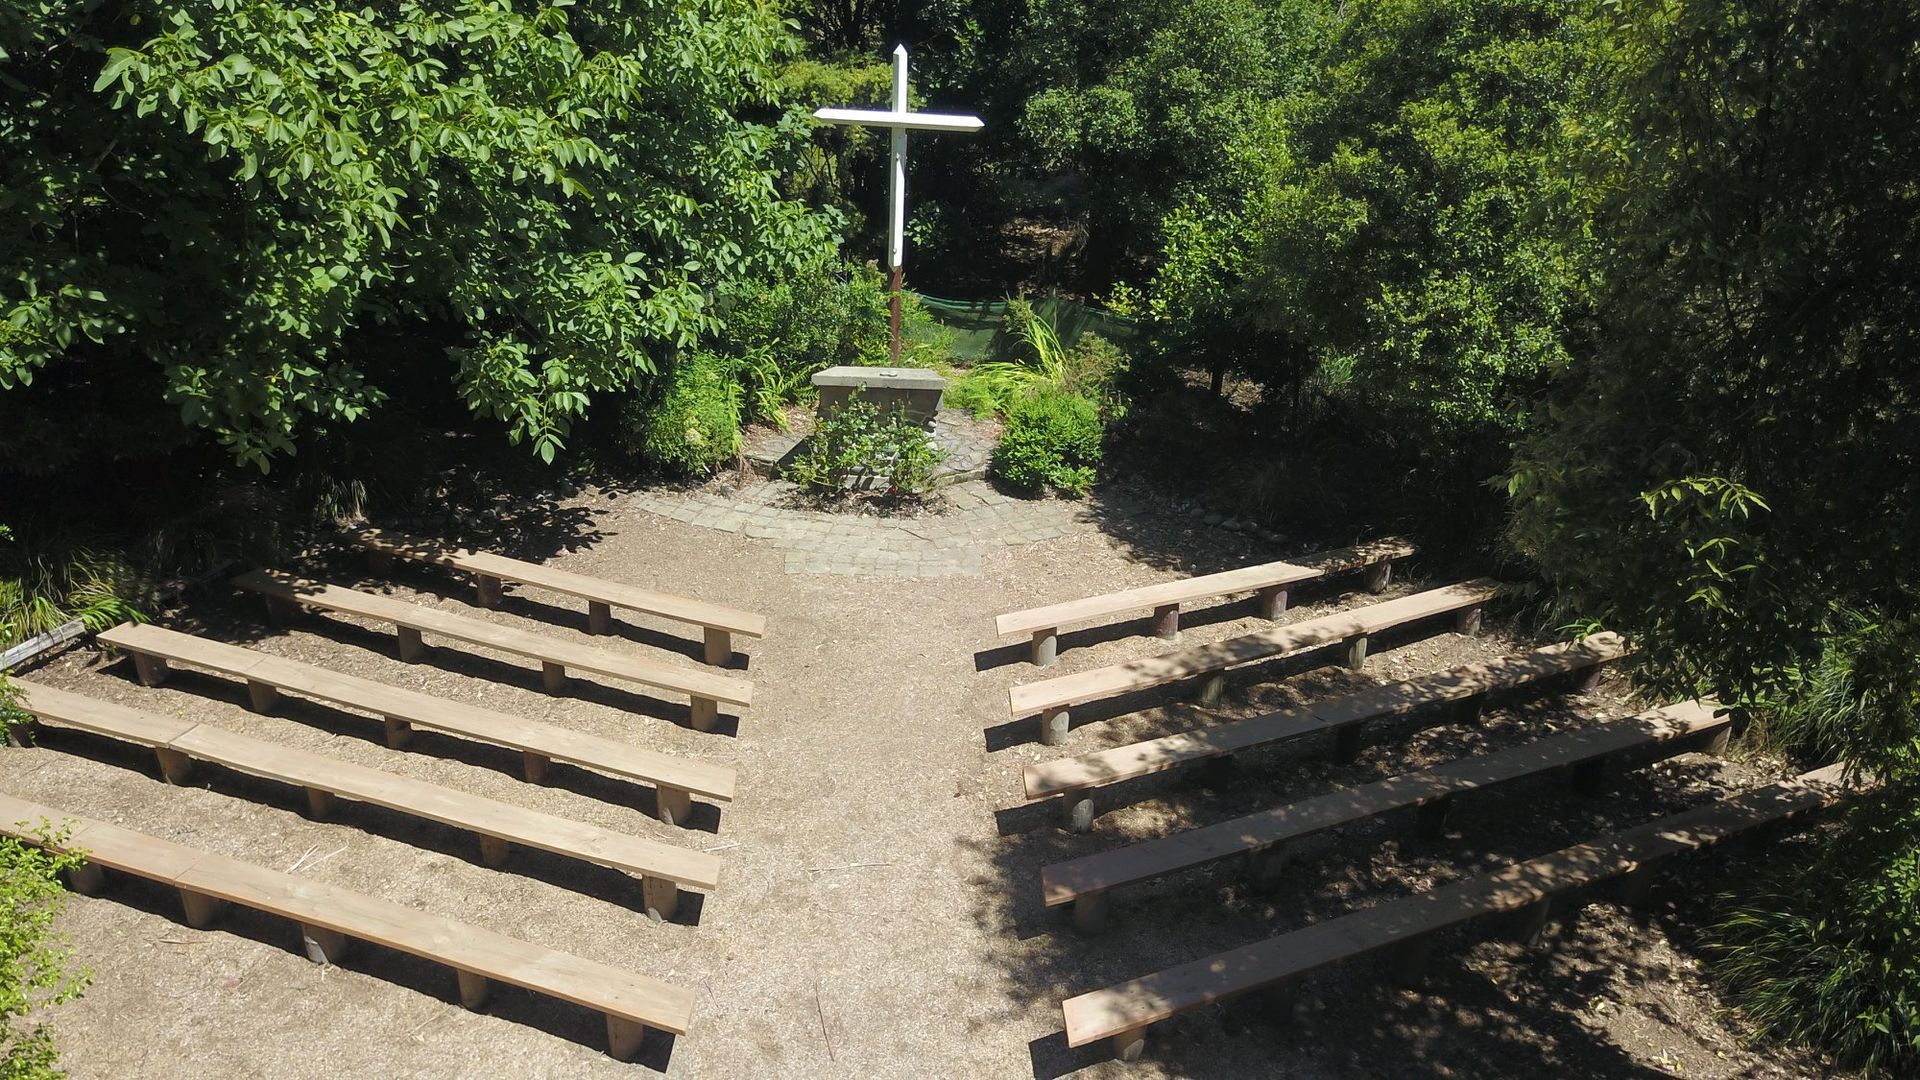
(897, 202)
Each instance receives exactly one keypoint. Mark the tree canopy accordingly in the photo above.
(266, 213)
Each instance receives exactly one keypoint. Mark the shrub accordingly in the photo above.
(858, 444)
(694, 424)
(34, 963)
(1041, 363)
(1053, 439)
(1823, 951)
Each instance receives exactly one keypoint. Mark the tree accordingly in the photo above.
(1728, 472)
(271, 215)
(1408, 240)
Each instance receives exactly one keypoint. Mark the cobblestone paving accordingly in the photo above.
(976, 519)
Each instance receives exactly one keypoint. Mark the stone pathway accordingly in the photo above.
(975, 519)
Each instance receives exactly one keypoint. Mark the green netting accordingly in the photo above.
(976, 329)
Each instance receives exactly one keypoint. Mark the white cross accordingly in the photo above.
(900, 121)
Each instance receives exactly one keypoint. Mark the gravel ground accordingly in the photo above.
(878, 914)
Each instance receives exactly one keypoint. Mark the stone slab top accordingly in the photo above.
(902, 378)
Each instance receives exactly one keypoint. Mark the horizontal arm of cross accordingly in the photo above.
(913, 121)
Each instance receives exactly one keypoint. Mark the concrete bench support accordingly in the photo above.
(488, 590)
(661, 897)
(534, 766)
(674, 805)
(87, 879)
(1079, 812)
(1407, 965)
(494, 850)
(705, 712)
(1378, 576)
(323, 946)
(1346, 742)
(150, 670)
(1272, 601)
(398, 732)
(1212, 689)
(174, 765)
(1090, 913)
(475, 989)
(1046, 647)
(319, 803)
(1129, 1045)
(1356, 657)
(261, 696)
(1166, 622)
(624, 1038)
(1468, 622)
(201, 910)
(599, 617)
(553, 677)
(1053, 727)
(412, 648)
(1432, 817)
(719, 646)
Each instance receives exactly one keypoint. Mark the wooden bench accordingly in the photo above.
(1051, 698)
(1086, 881)
(330, 917)
(177, 743)
(1345, 716)
(1122, 1013)
(676, 780)
(1268, 581)
(285, 593)
(491, 571)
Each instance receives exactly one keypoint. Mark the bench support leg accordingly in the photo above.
(534, 766)
(1129, 1045)
(261, 696)
(412, 648)
(1090, 912)
(1166, 622)
(1409, 962)
(1589, 680)
(380, 561)
(22, 733)
(87, 879)
(1635, 885)
(1530, 923)
(624, 1037)
(474, 989)
(174, 765)
(202, 910)
(1468, 622)
(493, 851)
(1212, 688)
(705, 713)
(1079, 812)
(1046, 647)
(1378, 576)
(674, 805)
(1357, 652)
(1273, 601)
(150, 670)
(1715, 742)
(323, 946)
(553, 677)
(1590, 777)
(1346, 742)
(719, 647)
(1471, 710)
(281, 610)
(398, 731)
(1433, 817)
(661, 897)
(1053, 727)
(600, 618)
(1266, 865)
(319, 803)
(487, 590)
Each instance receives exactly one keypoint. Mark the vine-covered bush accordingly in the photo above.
(858, 445)
(693, 426)
(1053, 439)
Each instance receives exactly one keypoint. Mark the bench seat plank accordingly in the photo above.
(1455, 684)
(1063, 883)
(1067, 690)
(619, 594)
(698, 684)
(598, 986)
(1133, 1005)
(710, 781)
(1185, 590)
(416, 798)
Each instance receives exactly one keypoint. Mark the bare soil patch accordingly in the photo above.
(879, 912)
